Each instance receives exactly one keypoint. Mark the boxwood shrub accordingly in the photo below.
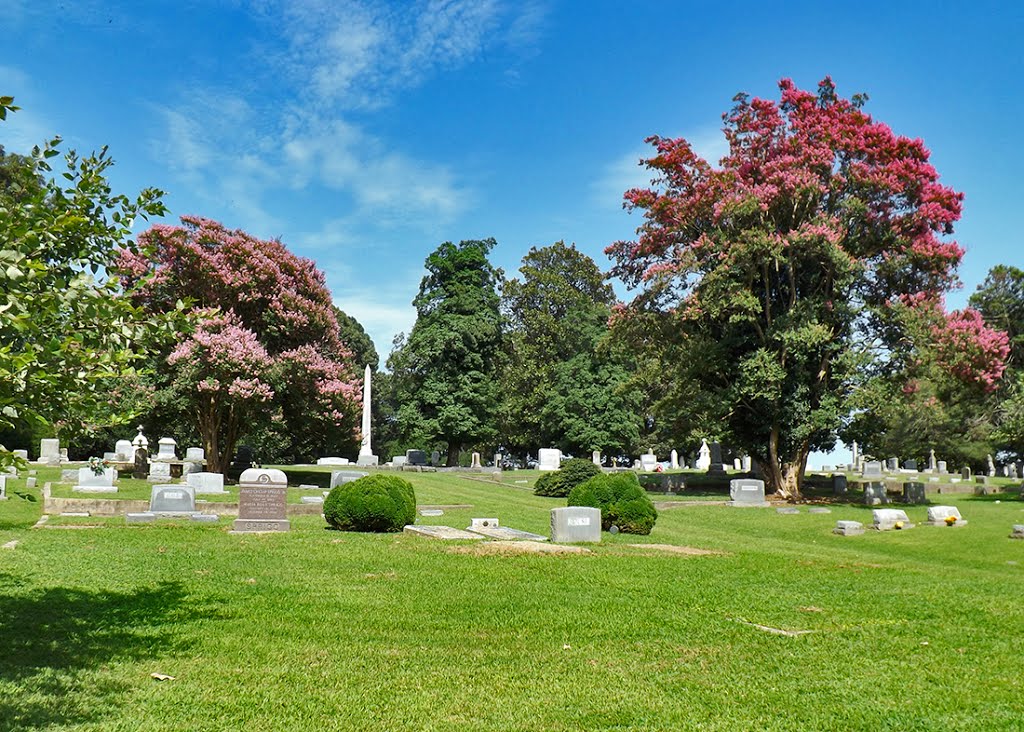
(622, 501)
(377, 503)
(559, 483)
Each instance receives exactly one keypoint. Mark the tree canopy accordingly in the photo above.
(267, 354)
(563, 384)
(443, 374)
(779, 270)
(66, 330)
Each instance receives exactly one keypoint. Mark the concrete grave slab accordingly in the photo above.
(445, 533)
(504, 533)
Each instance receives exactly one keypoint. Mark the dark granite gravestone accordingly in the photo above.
(913, 492)
(874, 493)
(172, 499)
(415, 457)
(245, 458)
(141, 468)
(717, 467)
(910, 465)
(839, 485)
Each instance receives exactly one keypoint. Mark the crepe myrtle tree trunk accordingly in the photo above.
(784, 474)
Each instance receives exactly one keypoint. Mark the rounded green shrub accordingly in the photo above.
(622, 501)
(560, 483)
(377, 503)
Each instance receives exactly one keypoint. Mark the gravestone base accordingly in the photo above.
(94, 489)
(958, 522)
(151, 516)
(249, 526)
(848, 528)
(368, 460)
(749, 504)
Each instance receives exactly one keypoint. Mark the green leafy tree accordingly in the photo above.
(358, 341)
(563, 383)
(66, 329)
(1000, 299)
(443, 374)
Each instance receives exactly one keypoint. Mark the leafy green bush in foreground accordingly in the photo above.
(622, 501)
(377, 503)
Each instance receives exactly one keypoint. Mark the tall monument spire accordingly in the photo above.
(366, 456)
(365, 448)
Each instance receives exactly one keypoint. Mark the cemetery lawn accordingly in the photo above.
(322, 630)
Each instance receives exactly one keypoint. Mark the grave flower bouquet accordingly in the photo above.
(98, 465)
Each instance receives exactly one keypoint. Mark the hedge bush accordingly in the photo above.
(622, 501)
(560, 483)
(377, 503)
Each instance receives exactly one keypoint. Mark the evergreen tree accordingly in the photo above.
(443, 374)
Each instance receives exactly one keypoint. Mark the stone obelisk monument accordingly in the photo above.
(366, 456)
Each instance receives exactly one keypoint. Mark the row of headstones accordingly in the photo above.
(262, 501)
(872, 468)
(888, 519)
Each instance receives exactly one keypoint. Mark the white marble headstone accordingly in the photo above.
(206, 482)
(166, 450)
(549, 458)
(124, 451)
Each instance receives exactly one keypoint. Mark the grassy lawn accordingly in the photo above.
(315, 629)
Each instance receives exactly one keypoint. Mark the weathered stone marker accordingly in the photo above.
(747, 492)
(262, 501)
(941, 515)
(913, 492)
(575, 524)
(886, 519)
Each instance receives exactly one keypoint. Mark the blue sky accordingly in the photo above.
(363, 134)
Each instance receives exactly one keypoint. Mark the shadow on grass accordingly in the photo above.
(56, 641)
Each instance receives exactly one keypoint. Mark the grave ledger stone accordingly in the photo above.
(262, 499)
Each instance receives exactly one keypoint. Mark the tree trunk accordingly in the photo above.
(784, 479)
(454, 449)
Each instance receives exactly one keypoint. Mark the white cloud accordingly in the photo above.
(25, 128)
(619, 176)
(626, 172)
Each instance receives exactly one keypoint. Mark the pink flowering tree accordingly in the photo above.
(267, 355)
(934, 390)
(223, 371)
(767, 279)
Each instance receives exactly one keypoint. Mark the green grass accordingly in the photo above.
(315, 629)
